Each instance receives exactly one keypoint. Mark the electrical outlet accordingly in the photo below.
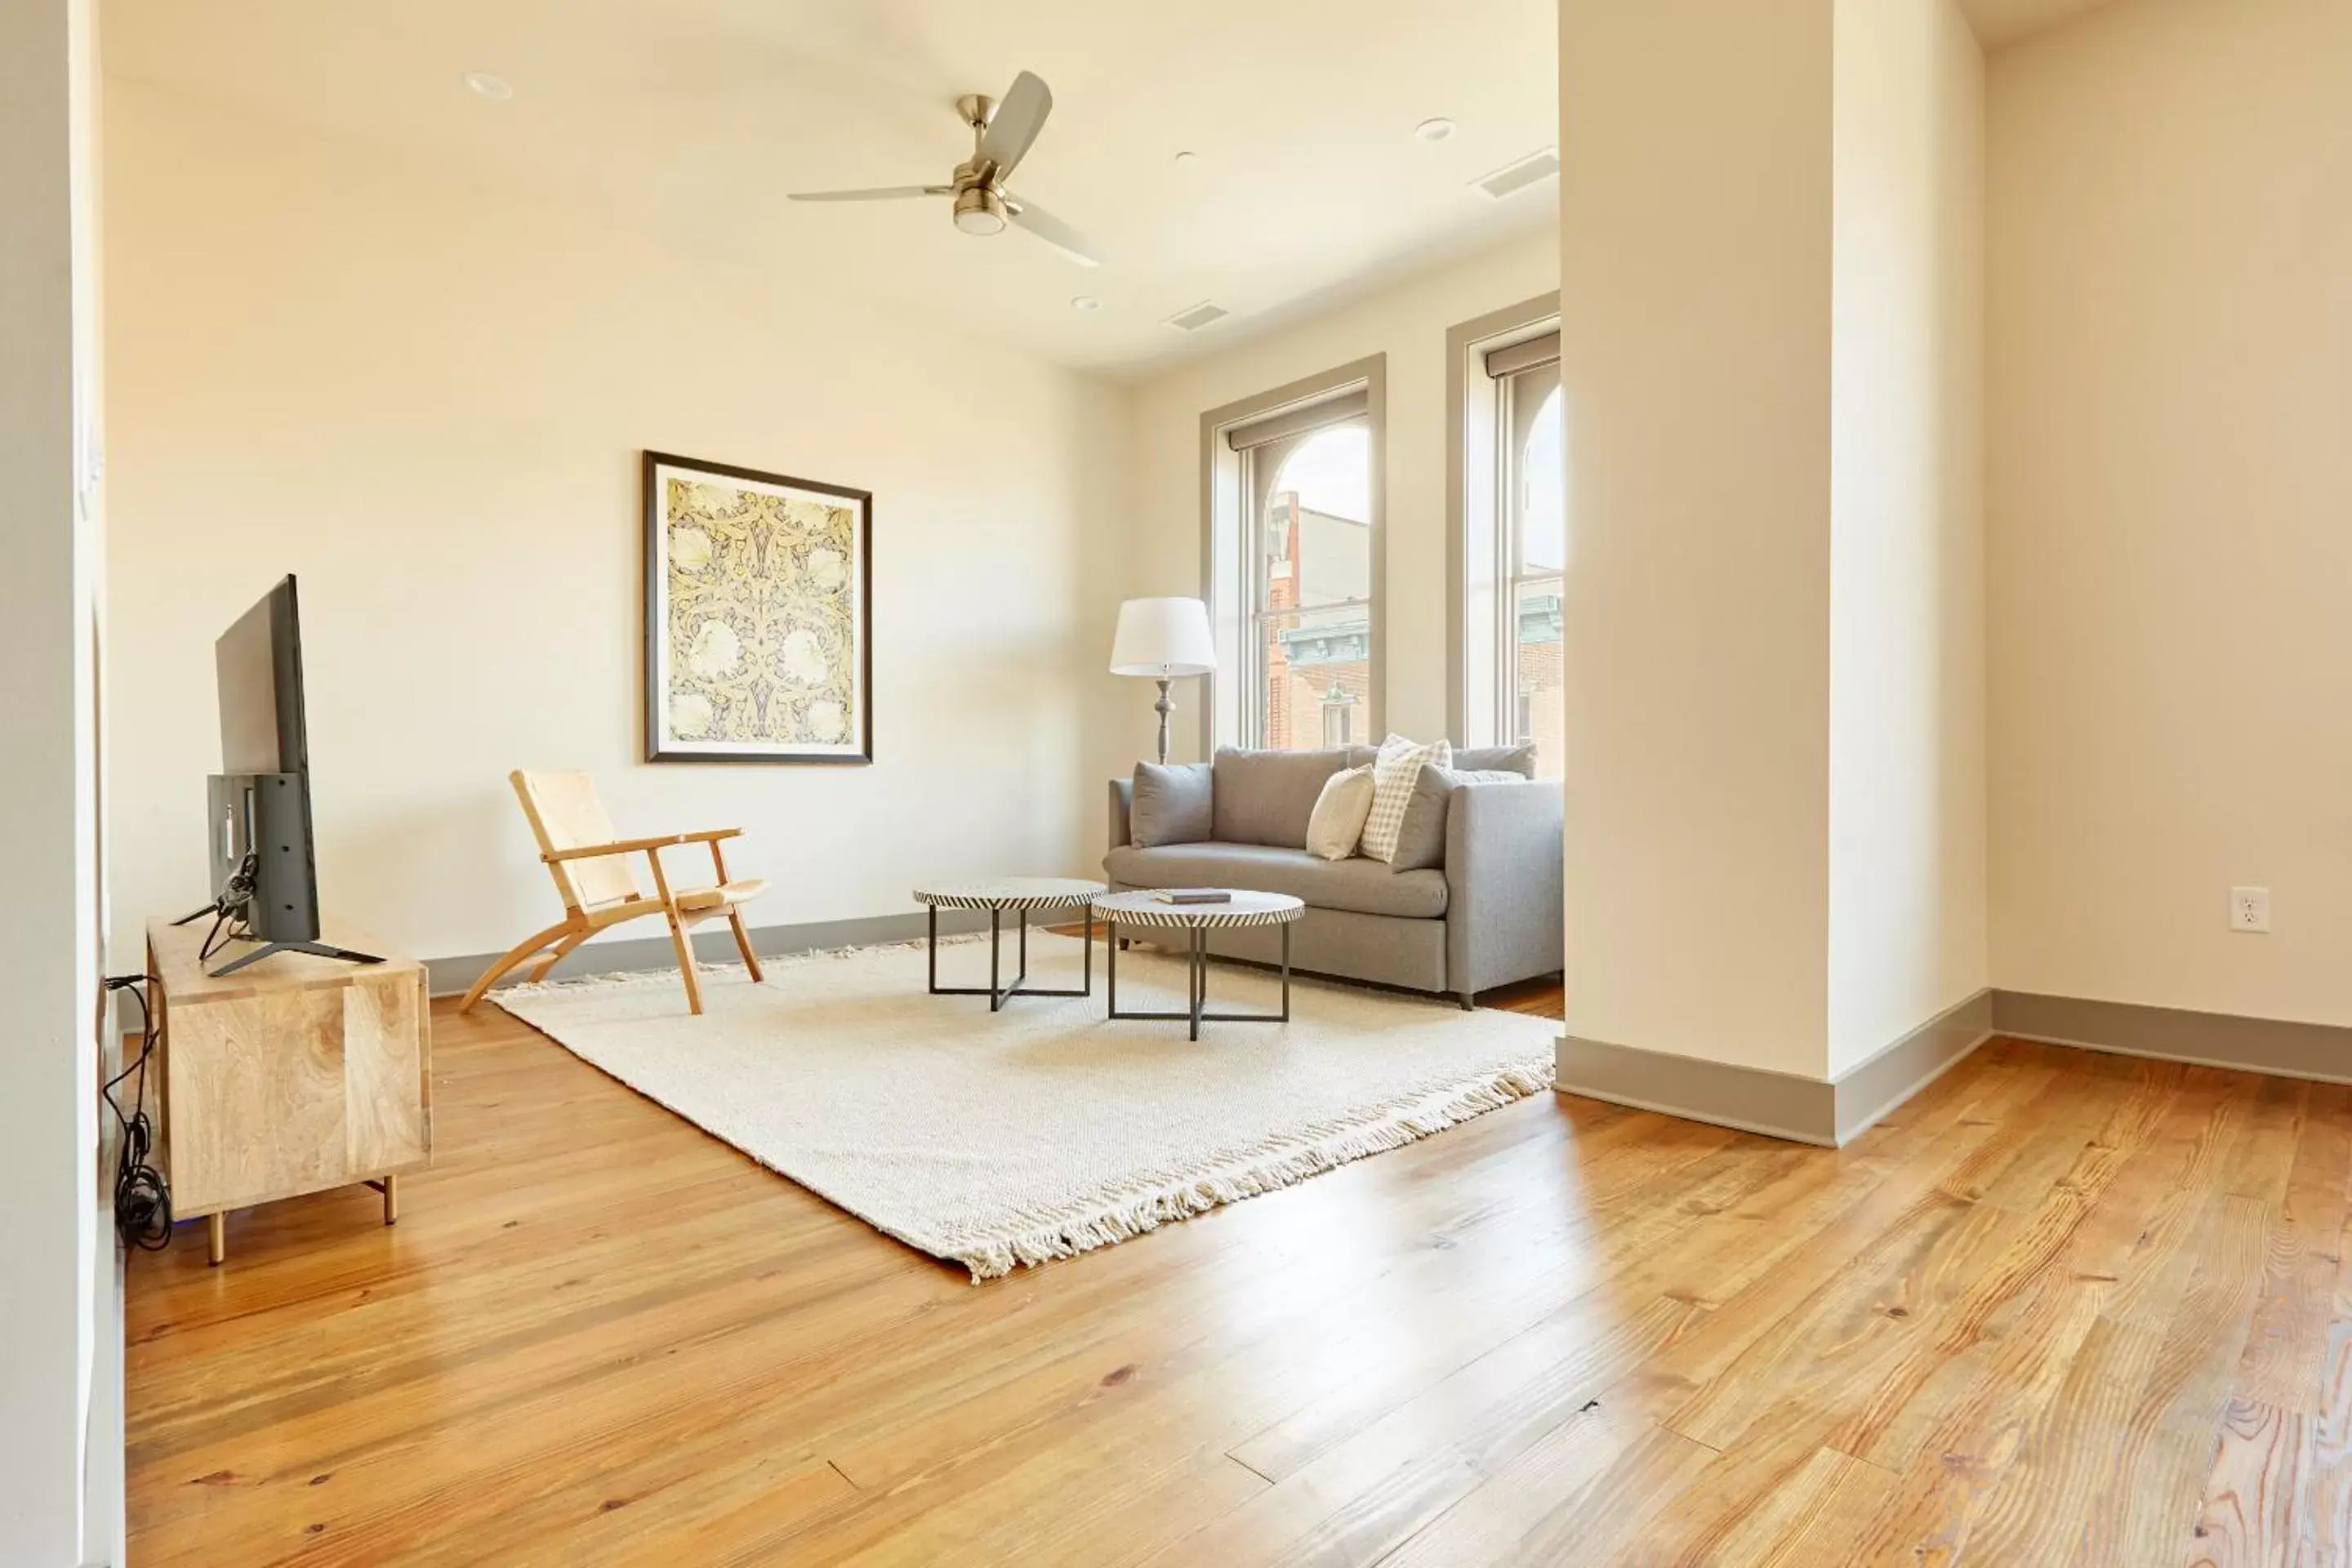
(2250, 909)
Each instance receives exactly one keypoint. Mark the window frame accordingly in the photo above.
(1481, 533)
(1231, 522)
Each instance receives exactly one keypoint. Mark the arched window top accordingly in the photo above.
(1331, 472)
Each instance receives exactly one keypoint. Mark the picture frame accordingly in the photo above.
(758, 615)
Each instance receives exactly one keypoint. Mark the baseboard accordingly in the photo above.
(714, 944)
(1750, 1099)
(2283, 1049)
(1829, 1113)
(1867, 1092)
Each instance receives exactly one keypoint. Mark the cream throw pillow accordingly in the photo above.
(1338, 821)
(1394, 773)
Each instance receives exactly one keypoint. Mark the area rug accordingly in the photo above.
(1044, 1131)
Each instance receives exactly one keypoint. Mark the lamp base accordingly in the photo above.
(1164, 707)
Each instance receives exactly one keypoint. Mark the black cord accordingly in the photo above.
(142, 1198)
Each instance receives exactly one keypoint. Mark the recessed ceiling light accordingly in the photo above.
(1086, 302)
(1187, 159)
(482, 84)
(1436, 129)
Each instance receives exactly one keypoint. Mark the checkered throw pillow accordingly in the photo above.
(1394, 772)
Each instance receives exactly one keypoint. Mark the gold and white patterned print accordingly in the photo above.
(762, 627)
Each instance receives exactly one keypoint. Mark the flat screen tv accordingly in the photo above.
(265, 864)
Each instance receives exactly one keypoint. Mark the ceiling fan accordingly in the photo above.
(1002, 136)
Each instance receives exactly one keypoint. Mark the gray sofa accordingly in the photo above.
(1477, 904)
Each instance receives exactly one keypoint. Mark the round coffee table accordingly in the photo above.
(997, 895)
(1242, 908)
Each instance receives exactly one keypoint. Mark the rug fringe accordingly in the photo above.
(1376, 1130)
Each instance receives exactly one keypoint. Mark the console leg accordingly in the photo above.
(392, 1200)
(217, 1238)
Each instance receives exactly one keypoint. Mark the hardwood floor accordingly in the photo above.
(2063, 1308)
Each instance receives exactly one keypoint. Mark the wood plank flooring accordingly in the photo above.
(2062, 1309)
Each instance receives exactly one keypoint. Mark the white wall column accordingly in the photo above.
(57, 1267)
(1770, 342)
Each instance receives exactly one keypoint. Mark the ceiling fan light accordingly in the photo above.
(978, 211)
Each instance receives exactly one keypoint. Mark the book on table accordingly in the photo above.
(1194, 896)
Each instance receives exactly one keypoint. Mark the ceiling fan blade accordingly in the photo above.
(1028, 214)
(878, 193)
(1016, 122)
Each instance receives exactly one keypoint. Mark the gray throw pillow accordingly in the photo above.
(1171, 804)
(1420, 842)
(1519, 759)
(1266, 798)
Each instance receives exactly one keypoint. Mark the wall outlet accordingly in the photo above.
(2250, 909)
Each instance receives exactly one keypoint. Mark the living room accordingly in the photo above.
(1722, 946)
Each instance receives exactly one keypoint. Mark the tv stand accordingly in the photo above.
(299, 1077)
(315, 949)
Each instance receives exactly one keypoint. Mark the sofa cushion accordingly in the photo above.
(1266, 798)
(1420, 839)
(1359, 885)
(1519, 759)
(1171, 804)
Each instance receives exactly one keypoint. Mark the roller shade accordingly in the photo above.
(1526, 356)
(1297, 421)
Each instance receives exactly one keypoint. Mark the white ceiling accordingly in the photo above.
(697, 115)
(2000, 22)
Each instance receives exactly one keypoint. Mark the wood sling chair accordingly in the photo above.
(591, 868)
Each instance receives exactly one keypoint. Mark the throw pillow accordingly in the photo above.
(1394, 773)
(1338, 823)
(1420, 840)
(1171, 804)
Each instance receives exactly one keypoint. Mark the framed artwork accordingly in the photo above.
(759, 617)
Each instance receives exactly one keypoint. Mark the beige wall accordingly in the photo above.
(1406, 321)
(1695, 292)
(429, 400)
(1908, 868)
(2170, 505)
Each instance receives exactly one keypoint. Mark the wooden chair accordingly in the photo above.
(591, 868)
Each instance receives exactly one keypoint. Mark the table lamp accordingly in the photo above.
(1160, 639)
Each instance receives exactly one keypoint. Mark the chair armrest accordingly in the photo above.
(632, 845)
(1122, 802)
(1503, 880)
(618, 847)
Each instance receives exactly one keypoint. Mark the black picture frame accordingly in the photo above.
(660, 745)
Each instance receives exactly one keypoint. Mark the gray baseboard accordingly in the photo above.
(1829, 1113)
(712, 945)
(2274, 1046)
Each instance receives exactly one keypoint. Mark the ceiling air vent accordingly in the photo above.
(1519, 176)
(1193, 318)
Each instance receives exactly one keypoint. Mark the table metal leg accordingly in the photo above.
(1200, 984)
(1286, 973)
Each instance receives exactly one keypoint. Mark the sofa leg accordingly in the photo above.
(1469, 1000)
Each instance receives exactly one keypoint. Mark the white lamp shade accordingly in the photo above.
(1163, 637)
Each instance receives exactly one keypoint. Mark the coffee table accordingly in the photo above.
(1244, 908)
(997, 895)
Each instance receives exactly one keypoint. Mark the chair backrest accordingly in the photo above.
(565, 813)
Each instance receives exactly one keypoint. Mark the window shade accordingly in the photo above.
(1528, 356)
(1297, 421)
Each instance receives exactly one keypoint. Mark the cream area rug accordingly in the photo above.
(1038, 1132)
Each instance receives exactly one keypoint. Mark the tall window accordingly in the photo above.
(1311, 563)
(1535, 493)
(1507, 531)
(1290, 542)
